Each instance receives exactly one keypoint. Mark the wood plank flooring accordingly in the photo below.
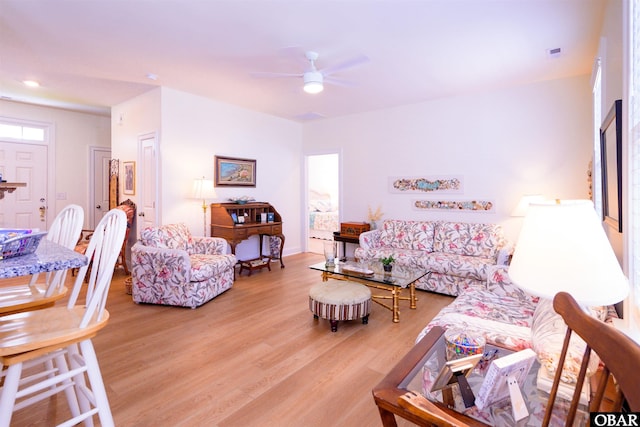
(253, 356)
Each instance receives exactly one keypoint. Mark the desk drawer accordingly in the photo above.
(263, 229)
(240, 233)
(276, 229)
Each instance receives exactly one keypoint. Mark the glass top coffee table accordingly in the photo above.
(373, 276)
(415, 372)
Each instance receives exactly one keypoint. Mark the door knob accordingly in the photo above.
(99, 207)
(141, 214)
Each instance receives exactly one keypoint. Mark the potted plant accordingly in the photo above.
(387, 262)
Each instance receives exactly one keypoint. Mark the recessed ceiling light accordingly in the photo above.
(31, 83)
(152, 76)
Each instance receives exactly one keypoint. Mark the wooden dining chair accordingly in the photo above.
(619, 356)
(64, 231)
(55, 342)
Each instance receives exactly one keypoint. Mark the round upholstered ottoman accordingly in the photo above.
(337, 300)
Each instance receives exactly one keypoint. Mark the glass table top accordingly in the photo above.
(500, 413)
(400, 276)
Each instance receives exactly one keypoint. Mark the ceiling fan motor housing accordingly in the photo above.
(313, 77)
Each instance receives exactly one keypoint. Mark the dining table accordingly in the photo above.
(49, 256)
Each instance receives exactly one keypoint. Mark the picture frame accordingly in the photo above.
(129, 178)
(611, 166)
(234, 172)
(234, 217)
(456, 372)
(452, 369)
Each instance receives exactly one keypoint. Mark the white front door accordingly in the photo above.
(148, 181)
(27, 206)
(99, 199)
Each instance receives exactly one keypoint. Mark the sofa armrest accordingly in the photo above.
(503, 257)
(209, 245)
(151, 265)
(370, 239)
(499, 283)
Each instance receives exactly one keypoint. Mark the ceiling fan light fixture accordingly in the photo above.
(313, 82)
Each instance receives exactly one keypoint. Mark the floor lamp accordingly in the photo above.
(203, 190)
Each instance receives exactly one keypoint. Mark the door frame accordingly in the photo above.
(50, 143)
(305, 190)
(92, 181)
(141, 176)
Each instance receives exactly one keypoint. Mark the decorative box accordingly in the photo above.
(353, 229)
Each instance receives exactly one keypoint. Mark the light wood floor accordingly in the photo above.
(253, 356)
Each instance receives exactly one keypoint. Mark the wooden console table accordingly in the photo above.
(223, 224)
(345, 239)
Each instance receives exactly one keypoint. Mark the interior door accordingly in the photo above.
(27, 206)
(99, 199)
(148, 181)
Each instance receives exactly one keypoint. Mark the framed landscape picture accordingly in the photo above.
(129, 177)
(235, 172)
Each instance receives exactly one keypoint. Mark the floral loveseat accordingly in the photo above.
(508, 317)
(458, 254)
(172, 267)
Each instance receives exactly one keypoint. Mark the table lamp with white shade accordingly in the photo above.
(203, 190)
(523, 205)
(563, 247)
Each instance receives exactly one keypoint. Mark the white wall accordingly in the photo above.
(194, 129)
(74, 134)
(527, 139)
(506, 143)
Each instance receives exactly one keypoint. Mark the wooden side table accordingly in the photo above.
(387, 392)
(345, 239)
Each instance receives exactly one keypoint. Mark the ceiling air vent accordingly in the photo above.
(555, 52)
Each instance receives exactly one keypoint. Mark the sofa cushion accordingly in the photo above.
(474, 267)
(464, 238)
(172, 236)
(203, 267)
(417, 235)
(547, 335)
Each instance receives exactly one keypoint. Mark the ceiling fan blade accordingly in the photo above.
(262, 75)
(339, 82)
(361, 59)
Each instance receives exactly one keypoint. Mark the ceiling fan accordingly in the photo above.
(315, 78)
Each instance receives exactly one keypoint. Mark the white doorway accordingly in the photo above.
(147, 181)
(322, 199)
(26, 207)
(99, 159)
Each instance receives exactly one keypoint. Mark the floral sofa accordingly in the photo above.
(458, 254)
(508, 317)
(172, 267)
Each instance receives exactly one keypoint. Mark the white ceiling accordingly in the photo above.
(93, 54)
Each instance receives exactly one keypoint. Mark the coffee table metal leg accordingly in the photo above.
(396, 305)
(412, 296)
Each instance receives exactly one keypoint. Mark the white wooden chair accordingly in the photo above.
(57, 340)
(65, 231)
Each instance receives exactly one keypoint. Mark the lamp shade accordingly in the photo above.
(562, 247)
(203, 189)
(525, 201)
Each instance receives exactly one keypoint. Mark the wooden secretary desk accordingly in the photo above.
(224, 223)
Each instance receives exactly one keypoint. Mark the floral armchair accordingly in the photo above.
(172, 267)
